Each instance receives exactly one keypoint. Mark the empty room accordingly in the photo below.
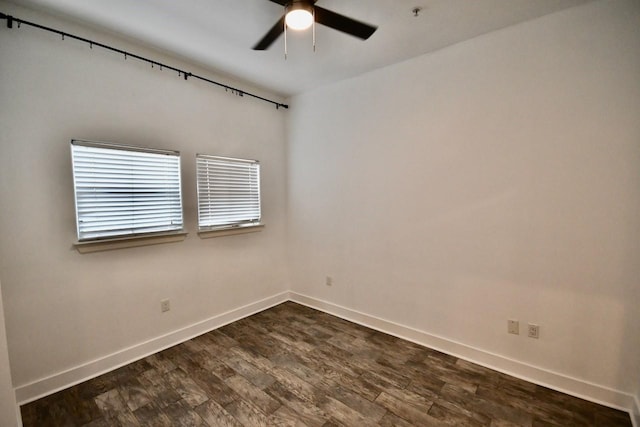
(320, 213)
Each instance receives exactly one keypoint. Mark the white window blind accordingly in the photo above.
(125, 191)
(228, 192)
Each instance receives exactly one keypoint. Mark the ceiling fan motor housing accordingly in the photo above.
(299, 5)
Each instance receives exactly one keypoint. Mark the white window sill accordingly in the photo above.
(129, 242)
(230, 231)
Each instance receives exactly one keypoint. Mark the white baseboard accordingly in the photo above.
(563, 383)
(635, 413)
(49, 385)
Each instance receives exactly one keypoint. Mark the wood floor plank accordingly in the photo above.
(114, 409)
(215, 415)
(359, 385)
(424, 400)
(161, 364)
(342, 413)
(248, 370)
(454, 416)
(494, 410)
(181, 415)
(392, 420)
(292, 366)
(160, 391)
(186, 387)
(502, 423)
(410, 413)
(134, 393)
(368, 410)
(253, 394)
(208, 361)
(220, 339)
(247, 414)
(295, 384)
(100, 422)
(152, 415)
(298, 367)
(285, 417)
(82, 410)
(307, 412)
(252, 357)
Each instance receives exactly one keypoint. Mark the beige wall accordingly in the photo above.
(64, 309)
(496, 179)
(8, 407)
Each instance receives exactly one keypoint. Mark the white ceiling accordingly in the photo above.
(219, 34)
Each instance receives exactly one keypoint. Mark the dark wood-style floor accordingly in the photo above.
(294, 366)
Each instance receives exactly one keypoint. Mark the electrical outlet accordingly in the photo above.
(534, 331)
(165, 305)
(513, 327)
(329, 281)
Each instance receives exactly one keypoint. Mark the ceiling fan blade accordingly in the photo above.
(288, 2)
(271, 36)
(343, 23)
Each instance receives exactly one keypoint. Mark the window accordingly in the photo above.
(124, 191)
(228, 192)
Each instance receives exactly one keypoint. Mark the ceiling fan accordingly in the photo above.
(301, 14)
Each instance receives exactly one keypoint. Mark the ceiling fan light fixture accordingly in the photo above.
(299, 15)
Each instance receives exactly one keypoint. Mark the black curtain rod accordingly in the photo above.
(12, 19)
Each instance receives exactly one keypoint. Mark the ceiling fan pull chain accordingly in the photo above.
(285, 41)
(313, 29)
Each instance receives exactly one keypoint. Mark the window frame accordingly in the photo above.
(120, 239)
(250, 225)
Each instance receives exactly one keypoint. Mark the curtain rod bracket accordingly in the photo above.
(9, 19)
